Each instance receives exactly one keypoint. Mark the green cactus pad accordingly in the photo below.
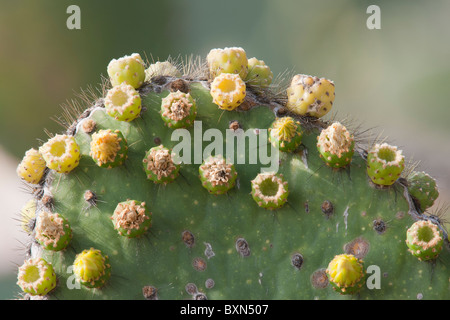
(178, 110)
(53, 231)
(217, 175)
(92, 268)
(385, 164)
(109, 148)
(131, 218)
(269, 190)
(423, 188)
(128, 69)
(159, 165)
(336, 146)
(247, 252)
(424, 240)
(286, 134)
(36, 277)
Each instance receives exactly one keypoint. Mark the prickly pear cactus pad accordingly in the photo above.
(215, 208)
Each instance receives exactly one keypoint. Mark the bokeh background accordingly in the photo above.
(395, 80)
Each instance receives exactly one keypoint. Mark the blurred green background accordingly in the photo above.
(395, 80)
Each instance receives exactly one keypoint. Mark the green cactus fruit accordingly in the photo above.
(228, 91)
(92, 268)
(245, 251)
(53, 231)
(123, 103)
(178, 110)
(423, 188)
(346, 273)
(259, 74)
(109, 148)
(160, 166)
(286, 134)
(336, 145)
(227, 60)
(31, 168)
(61, 153)
(270, 190)
(424, 240)
(385, 164)
(131, 218)
(217, 175)
(310, 96)
(36, 277)
(128, 69)
(161, 68)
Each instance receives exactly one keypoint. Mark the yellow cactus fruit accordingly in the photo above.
(310, 96)
(61, 153)
(227, 60)
(228, 91)
(32, 167)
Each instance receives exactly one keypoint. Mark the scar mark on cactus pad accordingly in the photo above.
(191, 289)
(242, 247)
(188, 238)
(297, 260)
(209, 283)
(150, 293)
(327, 208)
(358, 247)
(209, 253)
(319, 279)
(379, 226)
(345, 219)
(199, 264)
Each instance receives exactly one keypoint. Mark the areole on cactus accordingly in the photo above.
(144, 226)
